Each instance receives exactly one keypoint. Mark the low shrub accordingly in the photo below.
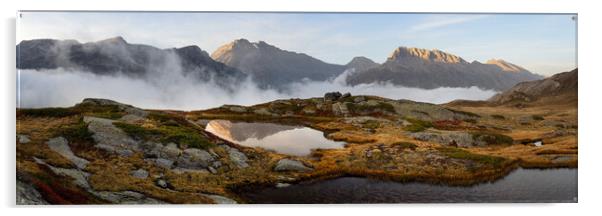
(417, 125)
(56, 112)
(492, 138)
(77, 132)
(496, 116)
(405, 145)
(537, 117)
(462, 154)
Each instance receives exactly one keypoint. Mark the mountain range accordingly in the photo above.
(268, 65)
(115, 56)
(414, 67)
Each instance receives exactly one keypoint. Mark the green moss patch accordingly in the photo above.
(417, 125)
(496, 116)
(183, 136)
(77, 132)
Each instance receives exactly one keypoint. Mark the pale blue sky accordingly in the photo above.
(544, 44)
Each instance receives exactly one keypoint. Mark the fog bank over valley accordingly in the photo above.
(63, 88)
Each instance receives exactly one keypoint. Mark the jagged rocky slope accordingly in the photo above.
(414, 67)
(273, 67)
(116, 56)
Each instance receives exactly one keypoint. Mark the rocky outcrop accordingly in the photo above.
(131, 111)
(291, 165)
(23, 138)
(110, 138)
(140, 173)
(61, 146)
(28, 195)
(561, 87)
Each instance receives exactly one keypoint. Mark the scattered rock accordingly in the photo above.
(126, 197)
(340, 109)
(28, 195)
(359, 99)
(140, 173)
(282, 185)
(193, 158)
(164, 163)
(212, 170)
(130, 118)
(291, 165)
(170, 152)
(220, 199)
(60, 145)
(80, 178)
(562, 158)
(235, 108)
(449, 138)
(332, 96)
(262, 111)
(237, 157)
(184, 170)
(23, 138)
(161, 183)
(346, 95)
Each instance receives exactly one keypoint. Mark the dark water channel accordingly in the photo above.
(522, 185)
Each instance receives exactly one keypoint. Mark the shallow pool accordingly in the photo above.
(284, 139)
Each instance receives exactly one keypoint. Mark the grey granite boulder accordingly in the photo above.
(236, 156)
(193, 158)
(291, 165)
(140, 173)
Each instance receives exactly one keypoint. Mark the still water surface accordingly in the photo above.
(284, 139)
(522, 185)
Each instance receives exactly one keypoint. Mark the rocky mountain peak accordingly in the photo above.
(506, 66)
(361, 63)
(114, 40)
(404, 53)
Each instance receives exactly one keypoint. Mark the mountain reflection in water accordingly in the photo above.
(285, 139)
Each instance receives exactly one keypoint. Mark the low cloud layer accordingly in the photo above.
(60, 88)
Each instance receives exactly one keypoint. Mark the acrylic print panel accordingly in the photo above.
(225, 108)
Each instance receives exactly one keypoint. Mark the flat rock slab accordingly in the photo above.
(291, 165)
(61, 146)
(110, 138)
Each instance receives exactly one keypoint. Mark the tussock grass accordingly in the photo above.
(417, 125)
(404, 145)
(458, 153)
(77, 132)
(499, 117)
